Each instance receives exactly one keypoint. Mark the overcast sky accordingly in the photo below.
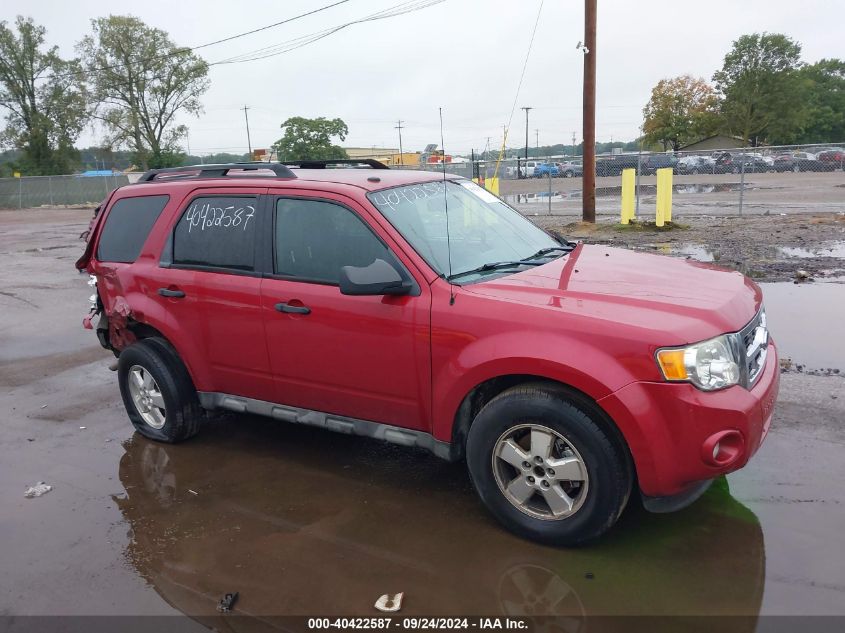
(463, 55)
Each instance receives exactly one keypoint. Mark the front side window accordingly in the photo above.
(217, 232)
(482, 228)
(314, 239)
(127, 227)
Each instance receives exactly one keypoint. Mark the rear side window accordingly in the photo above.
(314, 239)
(127, 226)
(217, 232)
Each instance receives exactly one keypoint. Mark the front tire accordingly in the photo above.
(545, 468)
(157, 391)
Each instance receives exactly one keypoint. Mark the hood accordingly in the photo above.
(688, 299)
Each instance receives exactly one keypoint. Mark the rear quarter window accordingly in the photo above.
(127, 227)
(217, 232)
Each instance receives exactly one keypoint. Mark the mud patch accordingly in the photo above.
(15, 373)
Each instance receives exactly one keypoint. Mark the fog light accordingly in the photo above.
(723, 448)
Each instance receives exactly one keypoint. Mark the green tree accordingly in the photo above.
(681, 110)
(311, 138)
(825, 98)
(762, 88)
(141, 81)
(46, 107)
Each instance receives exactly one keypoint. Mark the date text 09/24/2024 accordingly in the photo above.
(418, 623)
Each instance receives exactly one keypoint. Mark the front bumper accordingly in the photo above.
(670, 428)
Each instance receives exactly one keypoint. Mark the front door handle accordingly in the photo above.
(167, 292)
(290, 309)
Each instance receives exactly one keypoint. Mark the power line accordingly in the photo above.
(270, 26)
(525, 64)
(180, 51)
(409, 6)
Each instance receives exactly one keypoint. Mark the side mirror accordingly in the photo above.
(379, 278)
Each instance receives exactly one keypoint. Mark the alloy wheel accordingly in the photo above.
(146, 396)
(540, 472)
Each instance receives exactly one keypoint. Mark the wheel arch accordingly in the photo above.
(485, 391)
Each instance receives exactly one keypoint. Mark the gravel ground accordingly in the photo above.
(764, 247)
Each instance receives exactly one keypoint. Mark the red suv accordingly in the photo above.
(419, 309)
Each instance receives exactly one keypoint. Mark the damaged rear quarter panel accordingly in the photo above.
(128, 292)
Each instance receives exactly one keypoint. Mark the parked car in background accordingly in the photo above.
(832, 159)
(570, 169)
(695, 165)
(526, 169)
(736, 162)
(546, 170)
(653, 162)
(614, 165)
(797, 161)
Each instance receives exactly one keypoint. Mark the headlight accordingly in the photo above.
(709, 365)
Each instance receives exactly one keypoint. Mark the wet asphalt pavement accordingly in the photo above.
(301, 521)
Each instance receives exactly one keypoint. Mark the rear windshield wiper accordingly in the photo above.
(493, 266)
(551, 249)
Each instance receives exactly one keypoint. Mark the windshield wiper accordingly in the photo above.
(551, 249)
(494, 266)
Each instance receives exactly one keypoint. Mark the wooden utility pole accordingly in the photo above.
(589, 117)
(401, 151)
(527, 110)
(248, 141)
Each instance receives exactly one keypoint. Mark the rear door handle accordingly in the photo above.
(285, 307)
(167, 292)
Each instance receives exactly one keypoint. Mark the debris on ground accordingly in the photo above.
(390, 605)
(228, 601)
(82, 428)
(193, 492)
(43, 406)
(801, 276)
(37, 490)
(589, 575)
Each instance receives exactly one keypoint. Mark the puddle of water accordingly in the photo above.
(697, 252)
(296, 518)
(831, 249)
(805, 321)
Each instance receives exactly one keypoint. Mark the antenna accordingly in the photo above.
(446, 209)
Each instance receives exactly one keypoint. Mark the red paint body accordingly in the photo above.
(591, 320)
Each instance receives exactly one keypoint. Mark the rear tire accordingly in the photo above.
(513, 470)
(157, 391)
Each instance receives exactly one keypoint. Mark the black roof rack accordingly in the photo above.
(214, 171)
(322, 164)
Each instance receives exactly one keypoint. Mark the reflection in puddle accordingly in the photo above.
(301, 521)
(698, 252)
(805, 322)
(831, 249)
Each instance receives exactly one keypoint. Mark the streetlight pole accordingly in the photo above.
(526, 108)
(588, 213)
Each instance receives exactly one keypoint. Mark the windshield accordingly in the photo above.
(482, 228)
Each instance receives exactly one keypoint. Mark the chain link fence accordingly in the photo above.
(37, 191)
(773, 179)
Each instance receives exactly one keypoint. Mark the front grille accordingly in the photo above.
(753, 343)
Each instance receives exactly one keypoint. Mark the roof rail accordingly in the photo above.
(214, 171)
(322, 164)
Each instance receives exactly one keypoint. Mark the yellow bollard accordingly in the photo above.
(664, 196)
(628, 178)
